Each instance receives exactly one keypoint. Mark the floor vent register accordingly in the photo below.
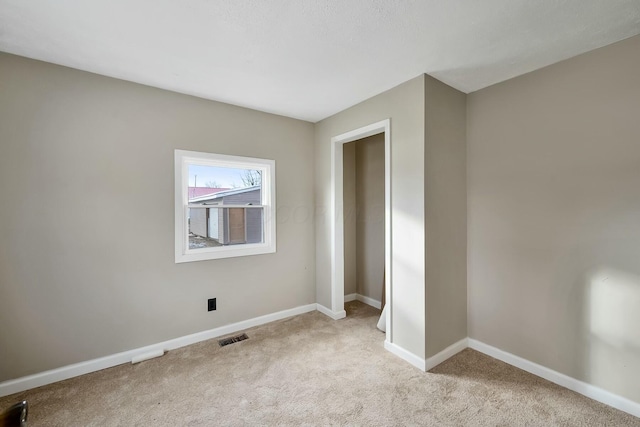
(231, 340)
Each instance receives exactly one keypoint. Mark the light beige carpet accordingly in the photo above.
(311, 370)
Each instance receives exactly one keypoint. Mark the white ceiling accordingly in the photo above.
(309, 59)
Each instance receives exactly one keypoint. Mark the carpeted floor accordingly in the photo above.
(311, 370)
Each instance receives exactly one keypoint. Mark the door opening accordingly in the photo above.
(337, 223)
(364, 196)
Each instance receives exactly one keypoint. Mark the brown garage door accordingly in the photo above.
(236, 226)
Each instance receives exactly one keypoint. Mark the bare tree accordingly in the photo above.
(251, 178)
(213, 184)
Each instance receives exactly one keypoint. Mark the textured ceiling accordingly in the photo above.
(309, 59)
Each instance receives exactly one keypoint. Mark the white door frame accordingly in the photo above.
(337, 215)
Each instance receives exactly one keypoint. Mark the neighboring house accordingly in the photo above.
(195, 192)
(228, 226)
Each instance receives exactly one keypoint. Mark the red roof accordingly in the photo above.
(203, 191)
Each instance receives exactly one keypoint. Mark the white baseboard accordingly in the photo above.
(589, 390)
(369, 301)
(74, 370)
(70, 371)
(335, 315)
(350, 297)
(448, 352)
(406, 355)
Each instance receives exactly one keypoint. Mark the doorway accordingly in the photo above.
(363, 179)
(338, 215)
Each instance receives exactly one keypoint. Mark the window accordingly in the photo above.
(224, 206)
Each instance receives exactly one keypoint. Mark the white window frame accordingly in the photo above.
(183, 159)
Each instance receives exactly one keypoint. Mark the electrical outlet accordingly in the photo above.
(211, 304)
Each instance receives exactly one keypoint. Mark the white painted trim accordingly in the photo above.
(337, 216)
(589, 390)
(388, 232)
(406, 355)
(369, 301)
(445, 354)
(350, 297)
(147, 356)
(335, 315)
(54, 375)
(359, 297)
(70, 371)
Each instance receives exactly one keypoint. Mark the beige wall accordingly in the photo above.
(84, 158)
(370, 217)
(350, 211)
(404, 105)
(445, 187)
(552, 194)
(363, 165)
(554, 217)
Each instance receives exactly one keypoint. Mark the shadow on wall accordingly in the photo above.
(612, 320)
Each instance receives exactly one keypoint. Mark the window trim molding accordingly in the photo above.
(183, 158)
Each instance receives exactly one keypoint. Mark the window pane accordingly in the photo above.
(205, 181)
(213, 227)
(224, 206)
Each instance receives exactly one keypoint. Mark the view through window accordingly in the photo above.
(224, 206)
(238, 213)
